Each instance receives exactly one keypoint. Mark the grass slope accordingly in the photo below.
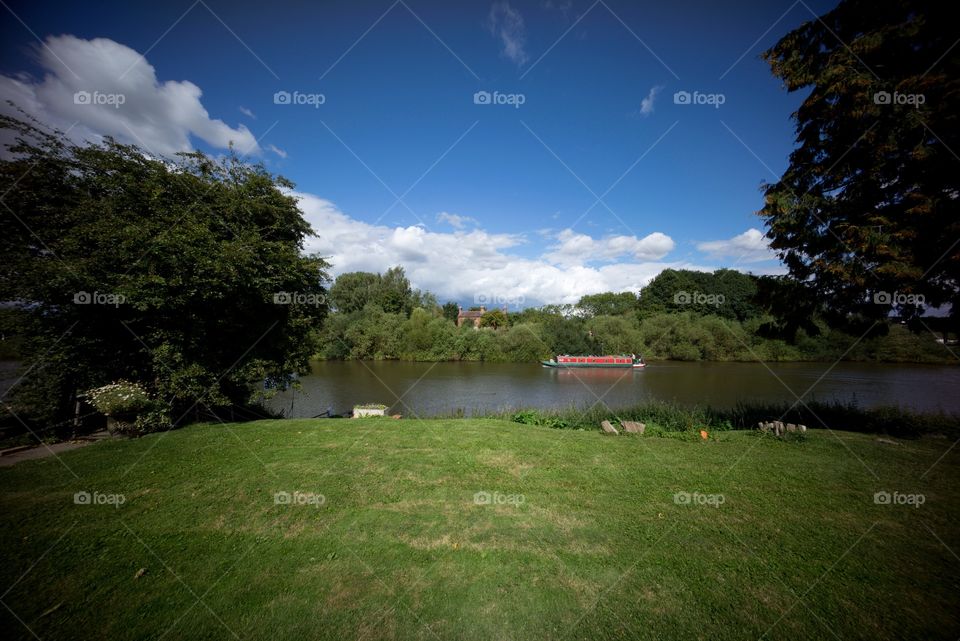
(597, 548)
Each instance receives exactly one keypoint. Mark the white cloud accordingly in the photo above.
(506, 23)
(100, 87)
(246, 112)
(749, 247)
(461, 265)
(277, 150)
(454, 220)
(573, 248)
(646, 105)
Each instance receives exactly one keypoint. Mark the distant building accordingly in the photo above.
(470, 316)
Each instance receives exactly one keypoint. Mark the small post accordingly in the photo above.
(76, 417)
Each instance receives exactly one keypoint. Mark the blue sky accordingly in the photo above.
(598, 180)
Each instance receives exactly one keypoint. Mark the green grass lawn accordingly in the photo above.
(583, 538)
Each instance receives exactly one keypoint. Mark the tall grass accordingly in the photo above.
(893, 421)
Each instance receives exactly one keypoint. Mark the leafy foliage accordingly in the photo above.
(725, 293)
(868, 205)
(535, 417)
(494, 318)
(608, 304)
(390, 291)
(665, 418)
(183, 275)
(726, 315)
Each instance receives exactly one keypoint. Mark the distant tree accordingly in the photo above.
(495, 318)
(739, 293)
(614, 335)
(868, 207)
(608, 303)
(524, 343)
(451, 310)
(564, 309)
(185, 275)
(374, 334)
(394, 293)
(391, 291)
(565, 335)
(471, 345)
(726, 293)
(427, 337)
(352, 291)
(660, 294)
(427, 301)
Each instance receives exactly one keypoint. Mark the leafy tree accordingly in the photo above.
(739, 293)
(565, 310)
(334, 340)
(472, 345)
(394, 294)
(524, 343)
(614, 335)
(790, 307)
(494, 318)
(374, 334)
(660, 294)
(352, 291)
(608, 303)
(427, 337)
(565, 335)
(450, 311)
(726, 293)
(184, 275)
(391, 291)
(428, 301)
(868, 206)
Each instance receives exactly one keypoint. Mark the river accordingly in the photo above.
(427, 389)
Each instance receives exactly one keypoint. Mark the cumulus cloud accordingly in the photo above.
(646, 105)
(462, 265)
(749, 247)
(100, 87)
(573, 248)
(454, 220)
(506, 24)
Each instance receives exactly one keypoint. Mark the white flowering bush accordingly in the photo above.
(120, 399)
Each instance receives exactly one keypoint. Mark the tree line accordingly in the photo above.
(681, 315)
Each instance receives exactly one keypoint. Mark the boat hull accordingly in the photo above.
(555, 364)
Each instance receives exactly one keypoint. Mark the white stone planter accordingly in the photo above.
(360, 412)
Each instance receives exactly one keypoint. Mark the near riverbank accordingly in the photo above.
(382, 529)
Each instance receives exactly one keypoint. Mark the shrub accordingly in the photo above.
(153, 420)
(370, 406)
(120, 399)
(533, 417)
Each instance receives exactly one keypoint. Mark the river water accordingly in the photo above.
(426, 389)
